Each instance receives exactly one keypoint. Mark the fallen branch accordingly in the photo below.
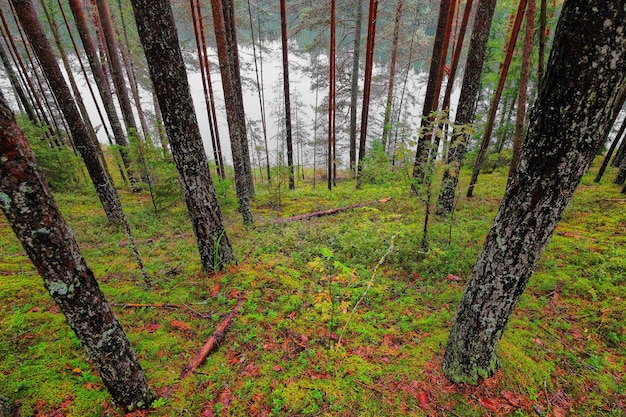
(212, 342)
(331, 211)
(155, 305)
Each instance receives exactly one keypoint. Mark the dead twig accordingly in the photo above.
(212, 342)
(331, 211)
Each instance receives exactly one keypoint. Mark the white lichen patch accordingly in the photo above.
(5, 201)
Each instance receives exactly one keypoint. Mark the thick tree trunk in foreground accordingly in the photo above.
(157, 31)
(106, 193)
(27, 203)
(467, 104)
(583, 90)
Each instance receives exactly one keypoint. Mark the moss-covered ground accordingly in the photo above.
(299, 347)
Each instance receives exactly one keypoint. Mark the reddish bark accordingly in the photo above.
(482, 153)
(367, 86)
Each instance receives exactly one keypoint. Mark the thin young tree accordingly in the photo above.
(232, 113)
(583, 90)
(467, 104)
(28, 205)
(367, 85)
(522, 96)
(288, 130)
(17, 87)
(157, 32)
(493, 108)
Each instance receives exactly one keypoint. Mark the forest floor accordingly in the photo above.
(299, 347)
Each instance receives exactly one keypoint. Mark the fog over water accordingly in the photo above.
(302, 102)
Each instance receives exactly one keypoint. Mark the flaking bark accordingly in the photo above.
(583, 89)
(29, 207)
(157, 32)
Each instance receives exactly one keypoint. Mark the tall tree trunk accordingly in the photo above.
(117, 72)
(582, 79)
(157, 31)
(129, 66)
(233, 60)
(15, 83)
(367, 85)
(213, 113)
(354, 91)
(620, 156)
(107, 194)
(283, 31)
(46, 106)
(493, 108)
(332, 90)
(196, 17)
(467, 104)
(456, 56)
(77, 96)
(392, 75)
(522, 96)
(619, 136)
(543, 35)
(260, 91)
(431, 99)
(438, 133)
(232, 114)
(99, 77)
(49, 242)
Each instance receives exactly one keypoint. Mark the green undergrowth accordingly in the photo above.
(345, 315)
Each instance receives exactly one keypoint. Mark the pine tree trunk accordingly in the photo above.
(493, 108)
(586, 75)
(354, 91)
(21, 95)
(332, 104)
(233, 60)
(367, 85)
(106, 193)
(157, 31)
(607, 158)
(522, 96)
(117, 72)
(543, 35)
(198, 29)
(260, 91)
(392, 75)
(29, 207)
(467, 104)
(431, 98)
(283, 31)
(232, 114)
